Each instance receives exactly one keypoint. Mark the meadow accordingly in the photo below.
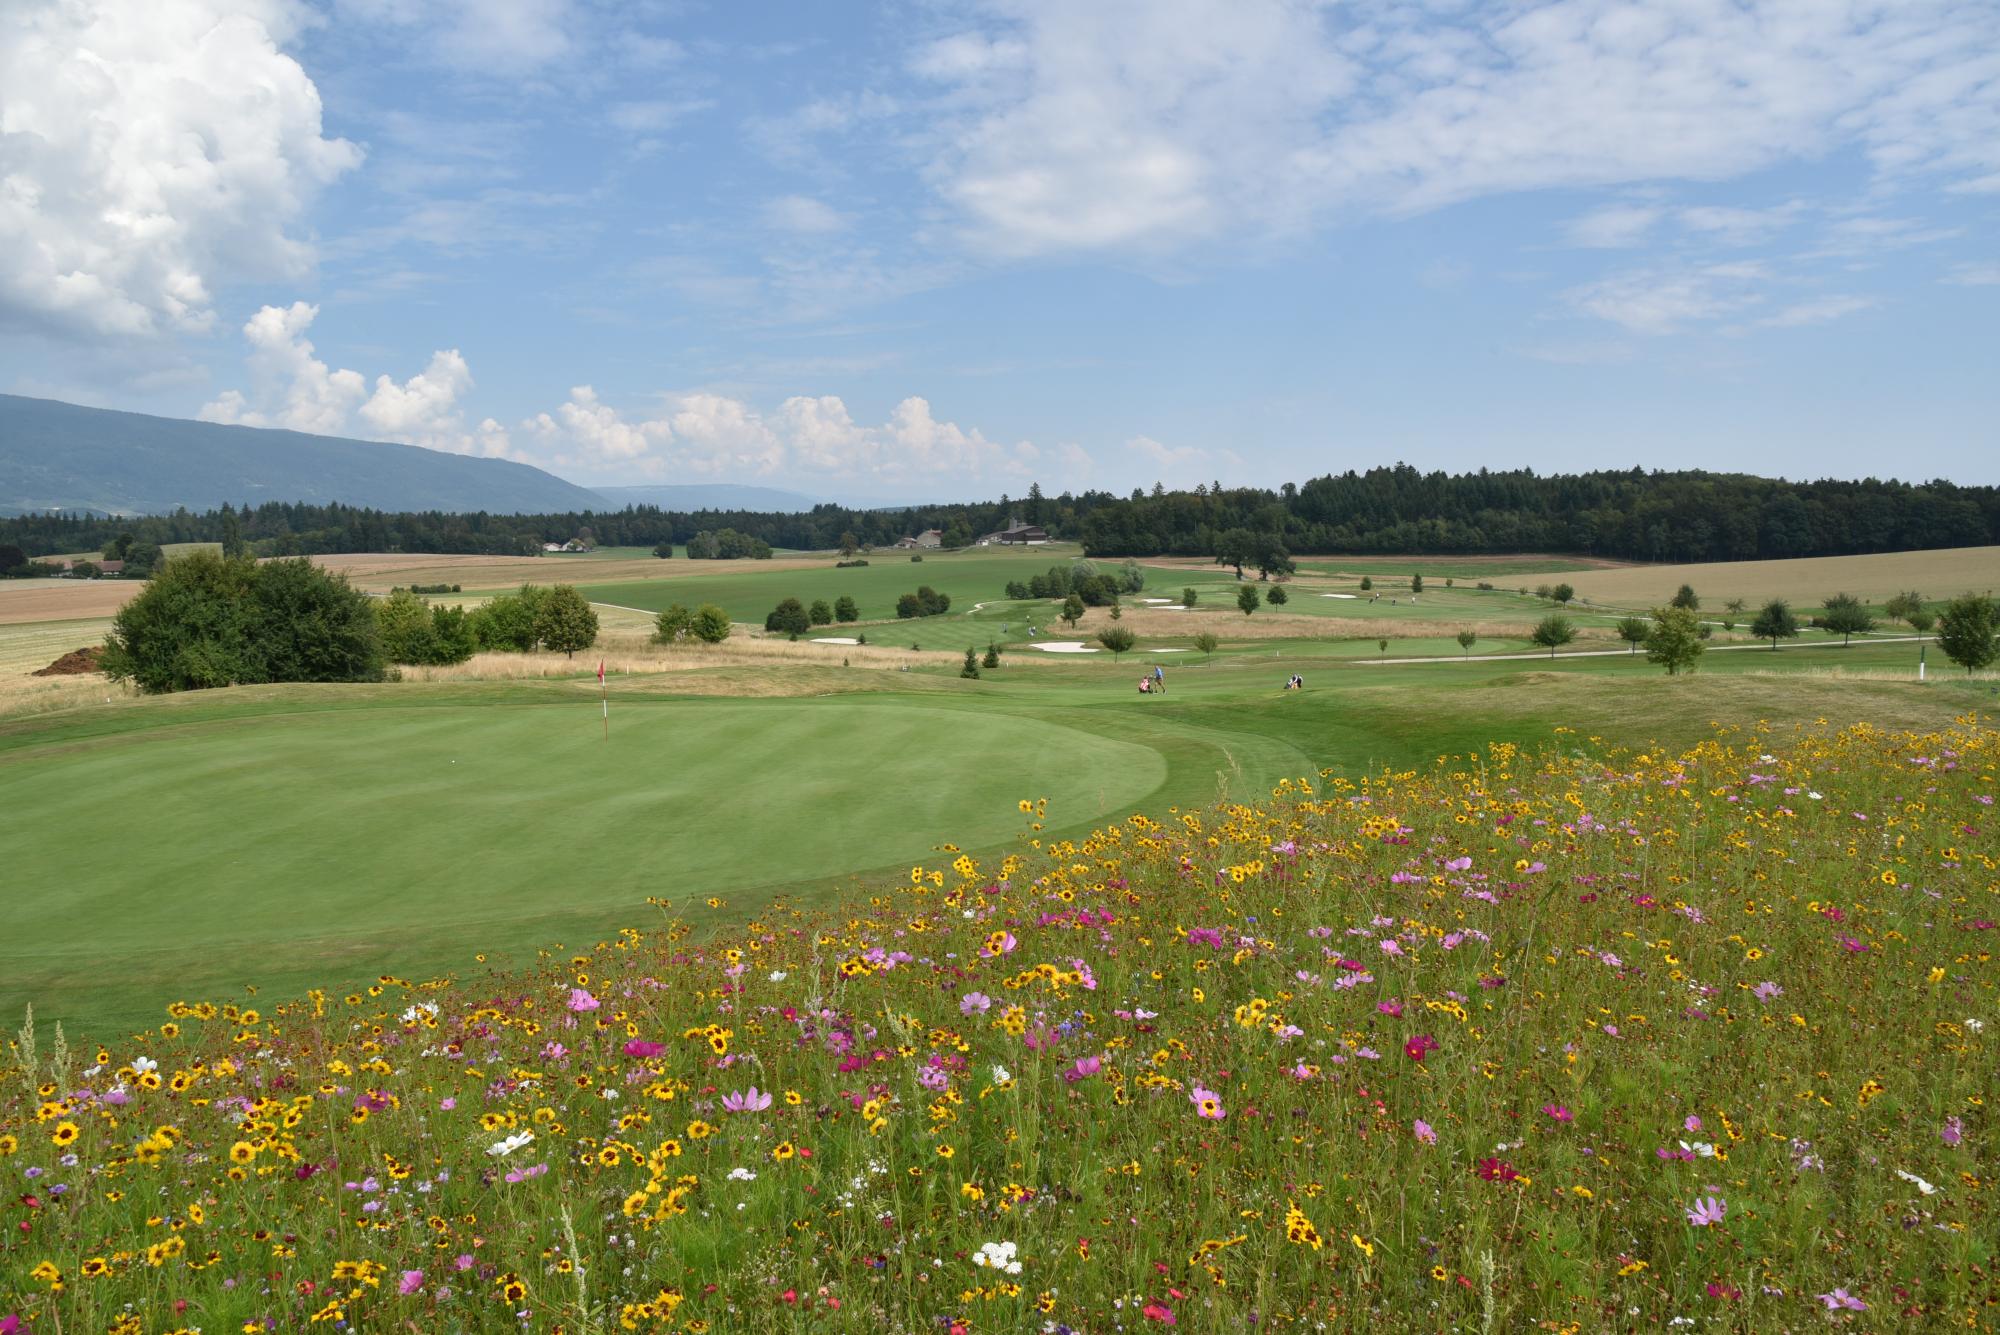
(1570, 1036)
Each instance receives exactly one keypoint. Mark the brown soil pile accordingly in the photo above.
(75, 663)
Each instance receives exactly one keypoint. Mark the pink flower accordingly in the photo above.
(1954, 1131)
(1158, 1312)
(642, 1048)
(411, 1281)
(581, 1001)
(1416, 1047)
(1708, 1210)
(1840, 1298)
(750, 1100)
(1390, 946)
(447, 1104)
(1207, 1103)
(1424, 1132)
(1557, 1112)
(1393, 1009)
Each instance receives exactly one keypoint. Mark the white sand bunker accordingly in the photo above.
(1166, 651)
(1065, 647)
(836, 639)
(1338, 595)
(1160, 602)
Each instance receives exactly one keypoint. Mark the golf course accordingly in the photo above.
(282, 837)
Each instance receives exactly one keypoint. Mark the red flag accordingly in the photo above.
(600, 672)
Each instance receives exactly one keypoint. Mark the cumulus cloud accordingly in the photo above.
(503, 37)
(293, 388)
(1072, 127)
(149, 155)
(713, 435)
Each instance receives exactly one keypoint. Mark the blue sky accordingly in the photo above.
(942, 249)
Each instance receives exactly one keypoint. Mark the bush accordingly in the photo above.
(1247, 599)
(845, 610)
(1484, 586)
(971, 668)
(925, 602)
(1206, 642)
(820, 613)
(665, 551)
(789, 618)
(1117, 639)
(727, 545)
(849, 565)
(1367, 583)
(207, 620)
(711, 624)
(672, 623)
(506, 624)
(1277, 597)
(916, 556)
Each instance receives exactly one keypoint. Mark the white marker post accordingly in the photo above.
(604, 698)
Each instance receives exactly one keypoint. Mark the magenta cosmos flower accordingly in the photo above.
(581, 1001)
(1207, 1103)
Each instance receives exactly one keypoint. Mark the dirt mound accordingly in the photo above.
(75, 663)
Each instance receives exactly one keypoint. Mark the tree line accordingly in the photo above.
(1628, 515)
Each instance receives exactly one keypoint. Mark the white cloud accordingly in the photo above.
(1666, 301)
(1148, 124)
(713, 435)
(1179, 465)
(1974, 275)
(804, 215)
(1614, 226)
(149, 155)
(293, 388)
(496, 37)
(1819, 310)
(1737, 226)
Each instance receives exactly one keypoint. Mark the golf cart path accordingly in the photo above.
(1622, 653)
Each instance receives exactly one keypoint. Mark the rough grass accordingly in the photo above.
(1575, 1039)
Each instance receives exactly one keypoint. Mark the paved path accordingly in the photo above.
(1625, 653)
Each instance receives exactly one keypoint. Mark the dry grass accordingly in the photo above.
(27, 648)
(381, 571)
(631, 654)
(25, 600)
(1467, 563)
(1938, 574)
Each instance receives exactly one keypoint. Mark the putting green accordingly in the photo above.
(266, 848)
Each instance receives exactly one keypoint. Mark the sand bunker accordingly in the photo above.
(835, 639)
(1065, 647)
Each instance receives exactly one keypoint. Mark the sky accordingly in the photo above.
(940, 249)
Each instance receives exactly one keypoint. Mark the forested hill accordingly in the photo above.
(1636, 515)
(61, 456)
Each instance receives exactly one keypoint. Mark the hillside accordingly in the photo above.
(62, 456)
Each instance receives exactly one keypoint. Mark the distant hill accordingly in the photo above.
(62, 456)
(710, 496)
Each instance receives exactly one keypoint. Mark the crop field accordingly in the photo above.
(25, 601)
(1936, 574)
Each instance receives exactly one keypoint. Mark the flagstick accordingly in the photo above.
(604, 698)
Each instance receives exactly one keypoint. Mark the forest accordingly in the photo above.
(1630, 515)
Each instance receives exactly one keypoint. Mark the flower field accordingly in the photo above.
(1586, 1039)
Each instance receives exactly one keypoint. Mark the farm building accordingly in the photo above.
(930, 537)
(1015, 534)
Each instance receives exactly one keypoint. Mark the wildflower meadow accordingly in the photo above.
(1577, 1039)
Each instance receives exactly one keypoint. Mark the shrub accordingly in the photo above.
(207, 620)
(711, 624)
(1247, 599)
(1277, 597)
(672, 623)
(925, 602)
(845, 609)
(789, 617)
(820, 613)
(849, 565)
(1117, 639)
(1966, 631)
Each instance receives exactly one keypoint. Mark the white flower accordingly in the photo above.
(1001, 1075)
(1700, 1148)
(742, 1175)
(500, 1149)
(1814, 796)
(419, 1011)
(1974, 1026)
(144, 1064)
(1917, 1182)
(779, 975)
(997, 1256)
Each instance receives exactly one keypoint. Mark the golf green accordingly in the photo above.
(268, 848)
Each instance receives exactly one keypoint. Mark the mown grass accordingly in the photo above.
(1573, 1038)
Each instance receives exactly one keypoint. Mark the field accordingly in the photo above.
(1416, 998)
(1937, 574)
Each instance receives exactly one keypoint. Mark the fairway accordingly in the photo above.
(391, 830)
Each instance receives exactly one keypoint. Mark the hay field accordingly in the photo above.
(25, 600)
(1937, 575)
(384, 570)
(27, 647)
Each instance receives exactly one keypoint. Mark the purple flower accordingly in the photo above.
(411, 1281)
(1840, 1298)
(643, 1048)
(581, 1001)
(750, 1100)
(1767, 990)
(1954, 1131)
(974, 1003)
(1708, 1210)
(1556, 1112)
(1424, 1132)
